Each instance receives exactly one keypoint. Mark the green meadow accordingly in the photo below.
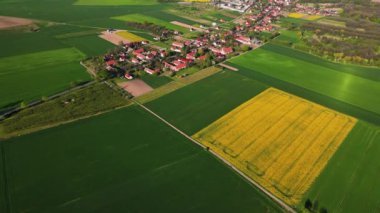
(340, 82)
(350, 182)
(31, 76)
(197, 105)
(123, 161)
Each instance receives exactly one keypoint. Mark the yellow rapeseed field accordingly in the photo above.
(279, 140)
(129, 36)
(296, 15)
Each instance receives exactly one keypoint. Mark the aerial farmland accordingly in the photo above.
(189, 106)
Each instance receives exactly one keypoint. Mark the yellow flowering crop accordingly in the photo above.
(130, 37)
(281, 141)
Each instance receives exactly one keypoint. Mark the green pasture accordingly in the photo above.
(193, 107)
(350, 182)
(30, 76)
(123, 161)
(311, 73)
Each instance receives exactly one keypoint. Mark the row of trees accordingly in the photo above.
(157, 30)
(358, 42)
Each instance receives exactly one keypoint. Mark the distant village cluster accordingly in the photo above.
(241, 5)
(213, 46)
(235, 5)
(322, 10)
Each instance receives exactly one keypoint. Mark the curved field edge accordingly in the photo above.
(312, 76)
(94, 163)
(350, 182)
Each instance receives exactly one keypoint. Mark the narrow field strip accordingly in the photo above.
(175, 85)
(279, 140)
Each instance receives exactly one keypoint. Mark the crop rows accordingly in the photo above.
(280, 140)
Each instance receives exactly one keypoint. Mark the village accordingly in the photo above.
(321, 9)
(214, 45)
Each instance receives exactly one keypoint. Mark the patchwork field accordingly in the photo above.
(310, 73)
(350, 182)
(30, 76)
(279, 140)
(109, 163)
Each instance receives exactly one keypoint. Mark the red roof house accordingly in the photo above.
(191, 56)
(226, 50)
(139, 51)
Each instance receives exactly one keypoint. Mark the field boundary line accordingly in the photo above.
(257, 185)
(48, 126)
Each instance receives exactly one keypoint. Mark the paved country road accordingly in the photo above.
(274, 198)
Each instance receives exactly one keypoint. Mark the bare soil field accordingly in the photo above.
(113, 37)
(8, 22)
(136, 87)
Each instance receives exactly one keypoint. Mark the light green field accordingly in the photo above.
(30, 76)
(350, 182)
(144, 18)
(311, 73)
(115, 2)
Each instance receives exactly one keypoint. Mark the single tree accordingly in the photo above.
(308, 204)
(323, 210)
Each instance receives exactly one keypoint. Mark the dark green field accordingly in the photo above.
(313, 80)
(90, 45)
(110, 164)
(155, 81)
(350, 181)
(197, 105)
